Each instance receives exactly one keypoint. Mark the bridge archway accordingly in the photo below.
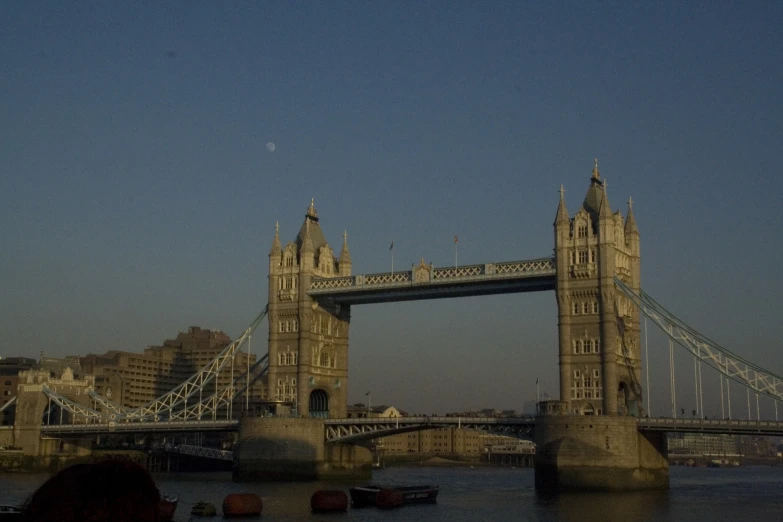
(319, 404)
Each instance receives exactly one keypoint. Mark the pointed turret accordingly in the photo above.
(311, 228)
(630, 221)
(595, 195)
(562, 212)
(344, 263)
(277, 248)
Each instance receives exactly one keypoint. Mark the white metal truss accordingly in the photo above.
(174, 404)
(85, 414)
(726, 362)
(109, 406)
(200, 451)
(8, 404)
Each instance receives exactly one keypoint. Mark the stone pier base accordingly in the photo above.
(598, 453)
(290, 449)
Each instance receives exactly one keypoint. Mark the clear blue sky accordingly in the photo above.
(137, 196)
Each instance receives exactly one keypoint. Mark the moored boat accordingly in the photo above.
(363, 496)
(203, 509)
(328, 501)
(389, 498)
(242, 505)
(168, 505)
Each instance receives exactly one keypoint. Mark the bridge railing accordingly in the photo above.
(716, 425)
(434, 275)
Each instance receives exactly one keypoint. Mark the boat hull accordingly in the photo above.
(366, 496)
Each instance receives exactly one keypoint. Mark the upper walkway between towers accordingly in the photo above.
(424, 281)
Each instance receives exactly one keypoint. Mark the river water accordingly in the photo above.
(472, 494)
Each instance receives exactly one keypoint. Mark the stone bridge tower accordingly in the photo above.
(32, 405)
(600, 364)
(308, 341)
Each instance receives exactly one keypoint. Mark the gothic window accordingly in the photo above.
(585, 308)
(573, 258)
(576, 308)
(280, 326)
(324, 362)
(577, 374)
(596, 374)
(589, 346)
(582, 231)
(582, 257)
(592, 255)
(296, 325)
(288, 326)
(289, 260)
(578, 346)
(595, 307)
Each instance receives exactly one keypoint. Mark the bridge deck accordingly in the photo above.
(717, 426)
(428, 282)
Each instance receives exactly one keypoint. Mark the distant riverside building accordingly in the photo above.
(447, 442)
(134, 379)
(701, 444)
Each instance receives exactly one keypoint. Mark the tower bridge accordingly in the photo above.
(598, 423)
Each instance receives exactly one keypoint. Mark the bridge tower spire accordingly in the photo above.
(599, 335)
(308, 341)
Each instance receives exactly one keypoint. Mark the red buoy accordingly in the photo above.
(388, 498)
(326, 501)
(242, 505)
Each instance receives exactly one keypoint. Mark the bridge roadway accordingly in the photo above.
(355, 430)
(427, 282)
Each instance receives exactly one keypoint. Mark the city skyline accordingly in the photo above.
(150, 151)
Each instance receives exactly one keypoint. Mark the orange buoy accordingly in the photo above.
(326, 501)
(242, 505)
(388, 498)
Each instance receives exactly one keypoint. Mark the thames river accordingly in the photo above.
(469, 494)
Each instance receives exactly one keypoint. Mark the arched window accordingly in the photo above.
(576, 308)
(585, 308)
(595, 307)
(589, 346)
(319, 404)
(578, 346)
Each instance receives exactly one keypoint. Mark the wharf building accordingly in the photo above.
(452, 443)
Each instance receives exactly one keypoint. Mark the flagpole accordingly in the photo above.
(456, 248)
(392, 251)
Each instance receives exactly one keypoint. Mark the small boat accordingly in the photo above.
(168, 505)
(389, 498)
(10, 513)
(203, 509)
(328, 501)
(242, 505)
(363, 496)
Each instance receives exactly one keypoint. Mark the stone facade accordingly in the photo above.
(32, 404)
(271, 449)
(591, 453)
(600, 364)
(308, 341)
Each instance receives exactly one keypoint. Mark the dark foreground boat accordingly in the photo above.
(364, 496)
(10, 513)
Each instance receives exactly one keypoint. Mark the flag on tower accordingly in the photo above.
(392, 246)
(456, 239)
